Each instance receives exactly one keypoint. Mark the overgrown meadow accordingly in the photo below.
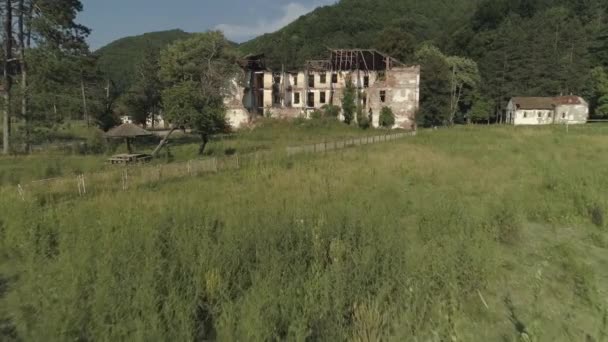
(465, 234)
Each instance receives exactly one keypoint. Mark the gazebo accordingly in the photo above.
(127, 131)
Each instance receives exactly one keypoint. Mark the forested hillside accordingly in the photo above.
(521, 47)
(360, 23)
(118, 60)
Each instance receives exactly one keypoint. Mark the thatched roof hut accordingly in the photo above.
(127, 131)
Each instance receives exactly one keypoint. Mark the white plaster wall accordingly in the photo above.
(531, 117)
(268, 81)
(237, 117)
(572, 114)
(267, 98)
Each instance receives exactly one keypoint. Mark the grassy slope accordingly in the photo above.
(269, 135)
(393, 240)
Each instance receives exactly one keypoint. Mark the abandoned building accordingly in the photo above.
(547, 110)
(382, 81)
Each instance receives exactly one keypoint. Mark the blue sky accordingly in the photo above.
(239, 19)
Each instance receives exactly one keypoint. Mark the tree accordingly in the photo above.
(51, 25)
(387, 118)
(143, 101)
(464, 80)
(435, 86)
(7, 77)
(397, 43)
(481, 110)
(199, 73)
(348, 101)
(600, 92)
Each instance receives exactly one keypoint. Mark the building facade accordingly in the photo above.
(547, 110)
(381, 81)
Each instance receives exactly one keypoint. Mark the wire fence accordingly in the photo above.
(133, 176)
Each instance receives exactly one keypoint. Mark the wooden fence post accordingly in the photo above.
(125, 179)
(21, 192)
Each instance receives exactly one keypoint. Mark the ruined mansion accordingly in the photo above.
(382, 81)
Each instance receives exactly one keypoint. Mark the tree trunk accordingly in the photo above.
(8, 47)
(162, 143)
(84, 102)
(205, 138)
(24, 90)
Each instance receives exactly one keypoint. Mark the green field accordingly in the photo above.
(464, 234)
(90, 149)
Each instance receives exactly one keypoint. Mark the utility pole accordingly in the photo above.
(8, 55)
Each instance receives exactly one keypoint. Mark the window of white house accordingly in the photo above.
(295, 80)
(323, 78)
(525, 115)
(322, 97)
(296, 98)
(382, 96)
(563, 115)
(540, 115)
(365, 81)
(334, 78)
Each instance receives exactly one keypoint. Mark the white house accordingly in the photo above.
(547, 110)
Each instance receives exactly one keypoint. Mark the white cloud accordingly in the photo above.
(291, 12)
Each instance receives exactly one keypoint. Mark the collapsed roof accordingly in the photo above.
(339, 60)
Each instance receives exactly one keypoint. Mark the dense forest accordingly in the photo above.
(118, 60)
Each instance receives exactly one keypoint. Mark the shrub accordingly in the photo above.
(316, 115)
(331, 111)
(95, 143)
(363, 120)
(387, 118)
(597, 216)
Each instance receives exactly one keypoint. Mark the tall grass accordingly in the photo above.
(396, 241)
(90, 150)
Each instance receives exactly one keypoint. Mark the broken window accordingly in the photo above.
(334, 78)
(365, 81)
(311, 81)
(311, 100)
(323, 78)
(322, 98)
(383, 96)
(296, 98)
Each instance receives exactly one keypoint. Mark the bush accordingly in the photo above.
(597, 216)
(316, 115)
(331, 111)
(96, 143)
(387, 118)
(363, 120)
